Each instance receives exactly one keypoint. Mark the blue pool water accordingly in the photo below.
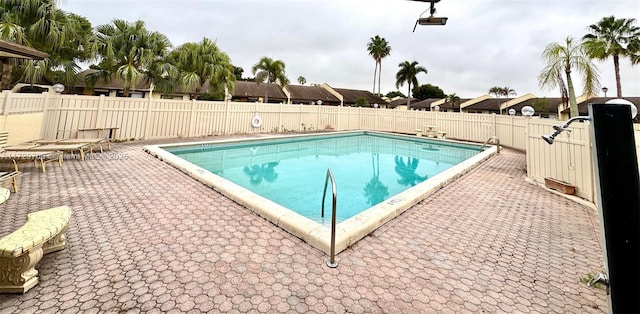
(368, 168)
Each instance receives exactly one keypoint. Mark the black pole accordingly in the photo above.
(618, 194)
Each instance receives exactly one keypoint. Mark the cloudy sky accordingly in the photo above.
(485, 43)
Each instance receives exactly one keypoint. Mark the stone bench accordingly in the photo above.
(4, 195)
(20, 251)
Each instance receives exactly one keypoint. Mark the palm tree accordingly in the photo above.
(407, 73)
(496, 91)
(41, 25)
(634, 48)
(270, 70)
(454, 100)
(199, 63)
(302, 80)
(507, 91)
(565, 58)
(502, 91)
(378, 48)
(611, 37)
(127, 52)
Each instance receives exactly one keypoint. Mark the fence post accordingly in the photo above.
(359, 117)
(512, 131)
(99, 117)
(318, 118)
(300, 119)
(147, 117)
(393, 127)
(376, 125)
(225, 129)
(495, 128)
(339, 114)
(463, 125)
(7, 101)
(280, 126)
(190, 126)
(45, 101)
(43, 124)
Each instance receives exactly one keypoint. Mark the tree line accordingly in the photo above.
(122, 50)
(130, 52)
(609, 38)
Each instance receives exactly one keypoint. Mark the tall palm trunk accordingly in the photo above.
(375, 72)
(573, 105)
(5, 80)
(616, 66)
(379, 75)
(266, 93)
(409, 93)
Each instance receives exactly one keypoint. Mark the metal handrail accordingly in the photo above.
(495, 139)
(332, 260)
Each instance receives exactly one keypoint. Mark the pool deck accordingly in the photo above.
(146, 237)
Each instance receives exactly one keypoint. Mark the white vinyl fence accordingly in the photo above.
(568, 159)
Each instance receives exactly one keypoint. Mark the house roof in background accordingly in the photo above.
(13, 50)
(301, 93)
(424, 103)
(488, 104)
(456, 107)
(401, 102)
(251, 89)
(350, 96)
(552, 104)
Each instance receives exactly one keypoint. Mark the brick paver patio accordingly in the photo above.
(147, 238)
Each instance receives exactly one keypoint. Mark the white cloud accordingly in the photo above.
(484, 44)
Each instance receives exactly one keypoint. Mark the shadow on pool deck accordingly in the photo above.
(146, 237)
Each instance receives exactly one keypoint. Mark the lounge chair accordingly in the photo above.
(99, 142)
(67, 148)
(37, 157)
(10, 175)
(18, 156)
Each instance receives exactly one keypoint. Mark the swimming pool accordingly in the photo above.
(378, 175)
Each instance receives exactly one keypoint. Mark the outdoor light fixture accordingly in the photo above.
(437, 108)
(605, 90)
(527, 111)
(376, 105)
(58, 88)
(430, 20)
(319, 102)
(512, 112)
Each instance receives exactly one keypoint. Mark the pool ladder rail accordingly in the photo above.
(332, 259)
(495, 139)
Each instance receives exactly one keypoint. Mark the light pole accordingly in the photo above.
(605, 90)
(527, 111)
(58, 89)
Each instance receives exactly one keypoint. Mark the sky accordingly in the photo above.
(484, 44)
